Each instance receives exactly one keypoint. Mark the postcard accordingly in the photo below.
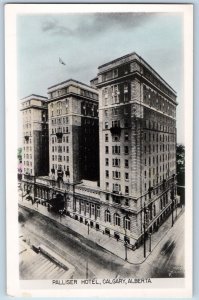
(99, 102)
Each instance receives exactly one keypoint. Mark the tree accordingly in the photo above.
(180, 161)
(19, 154)
(180, 164)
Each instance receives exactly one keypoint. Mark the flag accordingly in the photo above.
(61, 61)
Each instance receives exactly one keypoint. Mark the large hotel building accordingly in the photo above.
(112, 150)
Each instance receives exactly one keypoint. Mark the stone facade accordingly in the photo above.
(136, 188)
(73, 132)
(35, 135)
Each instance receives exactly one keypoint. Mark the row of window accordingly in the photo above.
(153, 171)
(158, 180)
(117, 220)
(159, 158)
(59, 167)
(148, 137)
(59, 121)
(116, 188)
(157, 148)
(116, 138)
(86, 207)
(28, 156)
(62, 129)
(116, 123)
(155, 100)
(117, 110)
(27, 163)
(60, 158)
(164, 125)
(116, 162)
(65, 139)
(116, 149)
(116, 175)
(27, 148)
(27, 171)
(27, 125)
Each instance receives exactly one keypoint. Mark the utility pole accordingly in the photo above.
(144, 225)
(87, 269)
(125, 245)
(125, 241)
(149, 242)
(172, 199)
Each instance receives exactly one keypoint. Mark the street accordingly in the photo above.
(92, 261)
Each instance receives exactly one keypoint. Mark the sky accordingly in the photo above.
(86, 41)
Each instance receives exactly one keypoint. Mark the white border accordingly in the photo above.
(11, 12)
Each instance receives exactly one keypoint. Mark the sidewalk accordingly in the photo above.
(110, 244)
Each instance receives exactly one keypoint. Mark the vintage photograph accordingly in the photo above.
(101, 147)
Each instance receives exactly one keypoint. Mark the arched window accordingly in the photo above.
(107, 216)
(154, 210)
(117, 219)
(127, 223)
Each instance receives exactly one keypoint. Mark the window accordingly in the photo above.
(115, 73)
(116, 149)
(115, 138)
(116, 175)
(106, 137)
(126, 150)
(107, 186)
(98, 211)
(107, 173)
(115, 94)
(116, 187)
(117, 219)
(106, 125)
(126, 136)
(107, 196)
(106, 161)
(116, 162)
(127, 223)
(126, 162)
(126, 176)
(107, 216)
(106, 150)
(126, 190)
(116, 123)
(92, 209)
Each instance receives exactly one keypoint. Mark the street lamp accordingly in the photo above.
(149, 242)
(172, 199)
(88, 227)
(144, 226)
(125, 241)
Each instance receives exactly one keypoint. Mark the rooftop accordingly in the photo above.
(72, 81)
(134, 55)
(34, 96)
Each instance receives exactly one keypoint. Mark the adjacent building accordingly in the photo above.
(35, 151)
(73, 132)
